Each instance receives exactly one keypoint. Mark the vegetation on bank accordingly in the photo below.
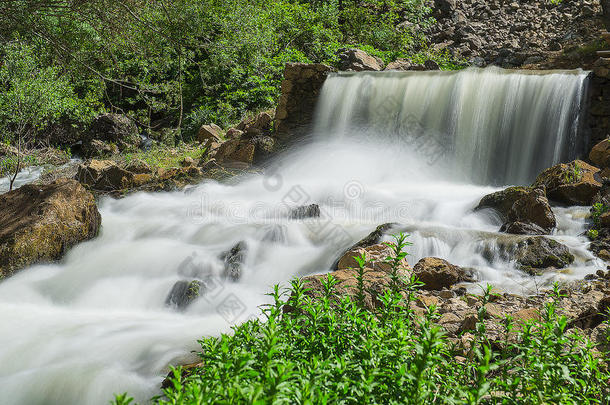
(179, 64)
(332, 350)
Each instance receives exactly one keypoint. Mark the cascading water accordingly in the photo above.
(97, 323)
(498, 126)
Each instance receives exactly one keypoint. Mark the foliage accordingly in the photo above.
(332, 350)
(596, 212)
(574, 174)
(592, 234)
(163, 157)
(187, 62)
(32, 96)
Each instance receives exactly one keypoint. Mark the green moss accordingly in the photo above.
(163, 157)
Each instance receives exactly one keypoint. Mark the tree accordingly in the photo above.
(32, 97)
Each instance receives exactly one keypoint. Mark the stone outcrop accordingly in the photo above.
(598, 119)
(209, 132)
(106, 176)
(437, 274)
(183, 292)
(300, 89)
(530, 214)
(502, 201)
(305, 211)
(358, 60)
(600, 154)
(38, 223)
(233, 260)
(114, 129)
(513, 33)
(244, 151)
(574, 183)
(371, 239)
(376, 277)
(538, 254)
(524, 210)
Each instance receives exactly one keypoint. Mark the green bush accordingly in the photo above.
(332, 350)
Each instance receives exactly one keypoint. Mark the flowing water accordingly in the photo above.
(97, 323)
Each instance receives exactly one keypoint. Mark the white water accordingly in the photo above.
(25, 176)
(96, 324)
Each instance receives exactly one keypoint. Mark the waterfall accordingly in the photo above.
(496, 126)
(97, 322)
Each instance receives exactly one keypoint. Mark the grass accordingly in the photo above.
(331, 350)
(162, 156)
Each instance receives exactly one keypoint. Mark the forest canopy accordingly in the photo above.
(183, 63)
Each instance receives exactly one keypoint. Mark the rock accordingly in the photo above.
(376, 278)
(188, 162)
(573, 183)
(355, 59)
(525, 315)
(536, 254)
(116, 129)
(233, 133)
(375, 256)
(138, 166)
(502, 201)
(39, 223)
(104, 175)
(531, 214)
(373, 238)
(233, 260)
(299, 94)
(209, 132)
(600, 336)
(98, 149)
(600, 154)
(305, 211)
(183, 293)
(431, 65)
(259, 124)
(399, 64)
(445, 8)
(245, 151)
(437, 274)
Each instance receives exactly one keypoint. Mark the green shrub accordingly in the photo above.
(332, 350)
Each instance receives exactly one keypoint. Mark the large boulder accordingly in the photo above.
(530, 214)
(116, 129)
(574, 183)
(600, 154)
(358, 60)
(209, 132)
(257, 125)
(399, 64)
(377, 276)
(104, 175)
(244, 151)
(371, 239)
(233, 260)
(538, 254)
(502, 201)
(437, 274)
(38, 223)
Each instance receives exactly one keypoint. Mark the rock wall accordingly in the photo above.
(599, 95)
(300, 89)
(513, 33)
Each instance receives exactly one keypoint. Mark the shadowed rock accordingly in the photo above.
(183, 293)
(233, 260)
(305, 211)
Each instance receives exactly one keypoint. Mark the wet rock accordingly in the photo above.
(437, 274)
(305, 211)
(233, 260)
(39, 223)
(209, 132)
(183, 293)
(502, 201)
(573, 183)
(114, 129)
(358, 60)
(530, 213)
(373, 238)
(600, 154)
(537, 254)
